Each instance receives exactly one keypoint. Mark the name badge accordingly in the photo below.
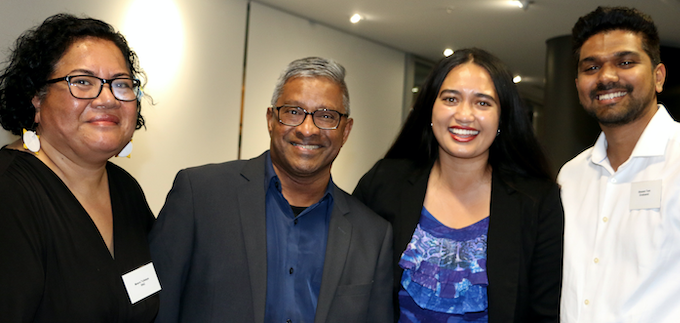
(645, 195)
(141, 283)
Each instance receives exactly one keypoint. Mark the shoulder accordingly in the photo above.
(219, 171)
(575, 166)
(359, 213)
(530, 187)
(390, 172)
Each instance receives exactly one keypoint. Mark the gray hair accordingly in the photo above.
(314, 67)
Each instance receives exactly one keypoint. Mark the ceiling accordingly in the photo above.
(426, 27)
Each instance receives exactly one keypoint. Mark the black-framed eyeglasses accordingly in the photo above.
(89, 87)
(325, 119)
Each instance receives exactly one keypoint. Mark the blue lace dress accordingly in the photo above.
(444, 276)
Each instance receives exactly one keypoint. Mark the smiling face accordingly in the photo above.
(616, 81)
(305, 150)
(465, 114)
(92, 129)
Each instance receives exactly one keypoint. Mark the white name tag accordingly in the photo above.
(645, 195)
(141, 283)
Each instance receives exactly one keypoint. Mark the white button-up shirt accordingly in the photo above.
(622, 230)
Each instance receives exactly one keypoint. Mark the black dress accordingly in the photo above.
(54, 264)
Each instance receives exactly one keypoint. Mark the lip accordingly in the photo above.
(463, 134)
(306, 147)
(105, 120)
(610, 97)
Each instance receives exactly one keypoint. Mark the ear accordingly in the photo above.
(346, 130)
(36, 104)
(659, 77)
(271, 119)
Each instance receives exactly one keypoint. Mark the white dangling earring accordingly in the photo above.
(498, 133)
(31, 141)
(126, 150)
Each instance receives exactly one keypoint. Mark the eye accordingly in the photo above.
(80, 81)
(590, 68)
(326, 115)
(450, 99)
(122, 83)
(628, 63)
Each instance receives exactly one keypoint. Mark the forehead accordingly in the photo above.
(469, 77)
(312, 93)
(609, 43)
(91, 54)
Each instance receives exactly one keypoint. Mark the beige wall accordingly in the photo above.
(193, 53)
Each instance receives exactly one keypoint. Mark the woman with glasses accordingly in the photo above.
(477, 218)
(73, 226)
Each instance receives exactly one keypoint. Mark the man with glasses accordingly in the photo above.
(272, 239)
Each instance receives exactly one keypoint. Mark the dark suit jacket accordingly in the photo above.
(524, 244)
(209, 248)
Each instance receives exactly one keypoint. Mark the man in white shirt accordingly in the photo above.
(622, 196)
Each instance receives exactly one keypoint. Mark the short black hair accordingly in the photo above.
(34, 56)
(605, 19)
(515, 150)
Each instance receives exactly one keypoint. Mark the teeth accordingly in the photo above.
(610, 96)
(306, 146)
(463, 132)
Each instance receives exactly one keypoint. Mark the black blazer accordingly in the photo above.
(524, 244)
(209, 247)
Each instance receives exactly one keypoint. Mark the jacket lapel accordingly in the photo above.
(251, 197)
(503, 247)
(339, 237)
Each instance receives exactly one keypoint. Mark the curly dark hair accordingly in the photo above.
(605, 19)
(516, 150)
(32, 61)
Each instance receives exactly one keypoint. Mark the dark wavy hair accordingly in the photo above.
(515, 150)
(605, 19)
(32, 62)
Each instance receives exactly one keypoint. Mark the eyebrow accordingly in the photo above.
(300, 105)
(477, 94)
(616, 55)
(88, 72)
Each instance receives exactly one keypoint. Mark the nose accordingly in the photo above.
(464, 112)
(608, 74)
(307, 127)
(106, 97)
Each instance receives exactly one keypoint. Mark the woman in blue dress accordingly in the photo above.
(478, 222)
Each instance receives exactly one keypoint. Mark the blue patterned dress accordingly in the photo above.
(444, 276)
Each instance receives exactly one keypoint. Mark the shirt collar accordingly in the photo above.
(652, 142)
(270, 175)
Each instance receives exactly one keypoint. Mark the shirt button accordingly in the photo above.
(289, 321)
(605, 219)
(291, 270)
(587, 302)
(295, 222)
(613, 180)
(596, 260)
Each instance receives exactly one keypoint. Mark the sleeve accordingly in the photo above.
(171, 245)
(21, 262)
(546, 266)
(380, 308)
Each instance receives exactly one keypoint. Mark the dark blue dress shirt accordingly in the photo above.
(296, 249)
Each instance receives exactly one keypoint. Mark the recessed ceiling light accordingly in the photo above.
(355, 18)
(448, 52)
(522, 4)
(517, 79)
